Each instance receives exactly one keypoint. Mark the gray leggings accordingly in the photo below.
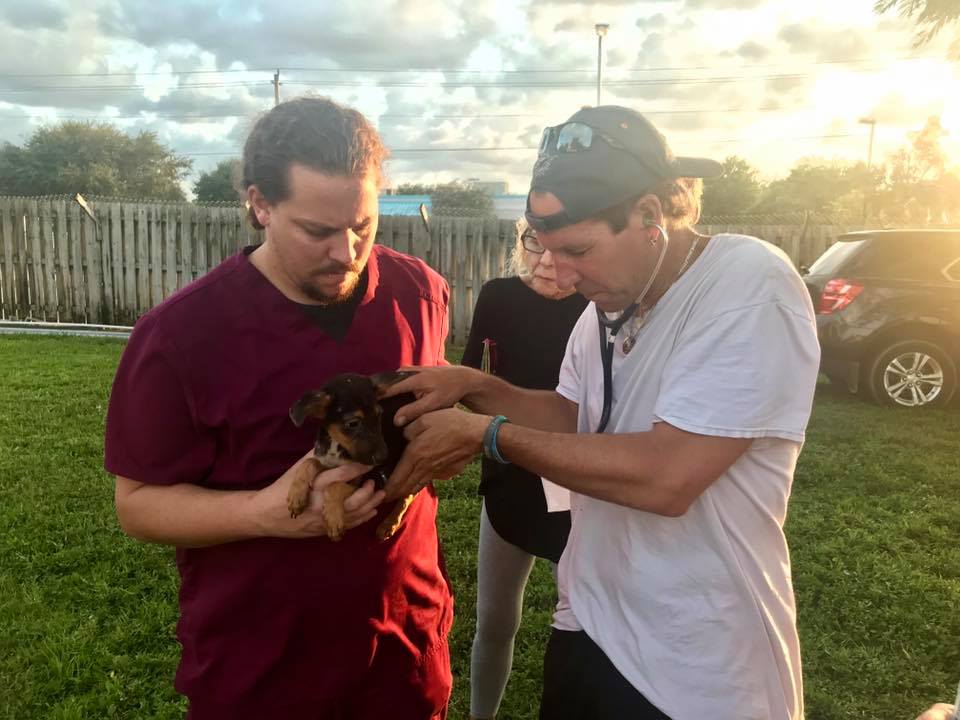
(502, 572)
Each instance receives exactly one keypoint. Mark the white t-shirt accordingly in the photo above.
(697, 612)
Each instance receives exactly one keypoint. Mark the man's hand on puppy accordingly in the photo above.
(435, 388)
(271, 514)
(442, 443)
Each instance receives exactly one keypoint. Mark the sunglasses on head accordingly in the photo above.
(573, 137)
(569, 138)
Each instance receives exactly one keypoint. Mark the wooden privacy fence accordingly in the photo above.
(60, 264)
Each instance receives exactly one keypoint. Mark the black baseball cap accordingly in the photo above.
(630, 157)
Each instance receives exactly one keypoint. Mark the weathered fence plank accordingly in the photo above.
(169, 254)
(78, 279)
(66, 303)
(186, 246)
(8, 269)
(48, 265)
(93, 269)
(118, 296)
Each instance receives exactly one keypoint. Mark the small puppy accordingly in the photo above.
(356, 424)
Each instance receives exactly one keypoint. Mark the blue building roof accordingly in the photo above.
(403, 204)
(508, 206)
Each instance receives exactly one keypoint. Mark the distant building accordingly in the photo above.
(509, 207)
(403, 204)
(505, 206)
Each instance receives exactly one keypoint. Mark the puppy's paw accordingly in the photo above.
(298, 496)
(335, 534)
(333, 510)
(335, 528)
(297, 500)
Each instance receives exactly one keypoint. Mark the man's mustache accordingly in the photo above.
(339, 269)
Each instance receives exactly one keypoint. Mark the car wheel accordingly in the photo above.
(913, 373)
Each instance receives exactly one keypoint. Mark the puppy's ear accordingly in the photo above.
(381, 381)
(311, 404)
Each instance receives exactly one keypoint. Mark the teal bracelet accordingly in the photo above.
(490, 449)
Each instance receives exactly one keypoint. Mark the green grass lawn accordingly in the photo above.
(87, 615)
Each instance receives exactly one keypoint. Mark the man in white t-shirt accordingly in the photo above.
(677, 420)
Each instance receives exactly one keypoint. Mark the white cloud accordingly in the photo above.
(746, 77)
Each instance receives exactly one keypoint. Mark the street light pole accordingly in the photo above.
(601, 29)
(872, 122)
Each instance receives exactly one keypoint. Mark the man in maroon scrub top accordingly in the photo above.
(276, 620)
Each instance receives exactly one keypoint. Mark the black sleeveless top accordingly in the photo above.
(530, 334)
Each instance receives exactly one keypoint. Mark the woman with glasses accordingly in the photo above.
(519, 333)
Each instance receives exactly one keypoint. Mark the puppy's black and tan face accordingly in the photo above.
(350, 418)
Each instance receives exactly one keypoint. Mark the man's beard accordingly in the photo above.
(346, 292)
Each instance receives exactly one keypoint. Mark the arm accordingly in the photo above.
(541, 409)
(443, 387)
(661, 471)
(187, 515)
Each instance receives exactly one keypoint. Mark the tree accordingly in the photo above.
(92, 159)
(414, 189)
(818, 185)
(930, 17)
(454, 198)
(918, 187)
(219, 184)
(734, 192)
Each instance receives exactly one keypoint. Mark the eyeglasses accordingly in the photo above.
(573, 137)
(530, 242)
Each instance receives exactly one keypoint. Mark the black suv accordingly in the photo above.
(888, 314)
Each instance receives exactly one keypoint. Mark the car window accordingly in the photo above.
(835, 256)
(932, 259)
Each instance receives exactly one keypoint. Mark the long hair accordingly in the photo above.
(515, 263)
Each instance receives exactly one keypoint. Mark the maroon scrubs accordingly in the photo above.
(275, 627)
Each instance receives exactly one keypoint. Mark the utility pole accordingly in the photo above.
(601, 29)
(276, 87)
(872, 122)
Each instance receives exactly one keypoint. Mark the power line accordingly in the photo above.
(144, 115)
(546, 84)
(129, 88)
(518, 148)
(561, 83)
(778, 139)
(592, 71)
(134, 73)
(571, 84)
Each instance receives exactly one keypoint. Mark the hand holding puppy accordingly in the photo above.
(272, 515)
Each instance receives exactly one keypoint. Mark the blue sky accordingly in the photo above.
(771, 81)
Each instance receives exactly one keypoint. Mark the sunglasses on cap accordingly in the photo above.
(567, 139)
(573, 137)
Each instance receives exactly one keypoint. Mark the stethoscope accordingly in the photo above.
(609, 328)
